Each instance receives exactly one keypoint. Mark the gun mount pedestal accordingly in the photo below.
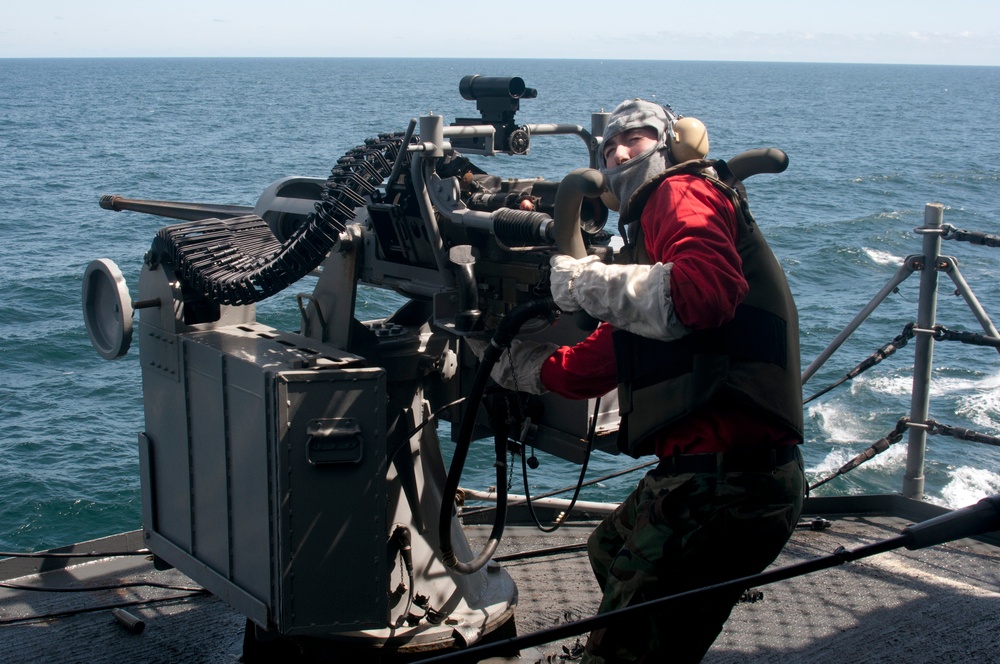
(274, 466)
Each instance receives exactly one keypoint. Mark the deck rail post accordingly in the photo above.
(923, 355)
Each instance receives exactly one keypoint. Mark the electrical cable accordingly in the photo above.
(556, 492)
(434, 416)
(561, 519)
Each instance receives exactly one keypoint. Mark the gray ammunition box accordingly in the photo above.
(263, 474)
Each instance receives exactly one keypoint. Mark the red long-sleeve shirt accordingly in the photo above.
(690, 223)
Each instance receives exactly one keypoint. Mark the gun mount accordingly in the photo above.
(291, 473)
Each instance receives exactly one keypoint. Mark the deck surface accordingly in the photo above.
(941, 604)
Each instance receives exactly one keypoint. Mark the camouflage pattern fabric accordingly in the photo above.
(679, 532)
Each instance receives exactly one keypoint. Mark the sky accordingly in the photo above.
(950, 32)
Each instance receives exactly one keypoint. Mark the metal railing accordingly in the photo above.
(929, 264)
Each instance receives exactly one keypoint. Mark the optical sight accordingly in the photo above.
(497, 98)
(475, 87)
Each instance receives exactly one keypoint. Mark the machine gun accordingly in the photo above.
(292, 473)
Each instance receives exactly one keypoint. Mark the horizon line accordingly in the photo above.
(451, 57)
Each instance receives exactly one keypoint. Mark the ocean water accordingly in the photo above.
(869, 146)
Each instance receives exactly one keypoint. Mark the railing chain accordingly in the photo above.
(961, 433)
(879, 446)
(885, 351)
(975, 237)
(941, 333)
(932, 426)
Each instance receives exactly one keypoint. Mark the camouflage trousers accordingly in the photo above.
(679, 532)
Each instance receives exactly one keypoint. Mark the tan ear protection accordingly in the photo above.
(688, 139)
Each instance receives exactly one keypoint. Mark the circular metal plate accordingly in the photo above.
(107, 309)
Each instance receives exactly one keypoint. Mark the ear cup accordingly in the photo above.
(688, 140)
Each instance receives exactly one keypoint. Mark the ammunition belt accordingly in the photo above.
(238, 261)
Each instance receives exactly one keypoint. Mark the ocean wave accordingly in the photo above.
(966, 486)
(880, 257)
(839, 423)
(983, 391)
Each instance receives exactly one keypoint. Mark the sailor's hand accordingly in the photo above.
(565, 269)
(520, 366)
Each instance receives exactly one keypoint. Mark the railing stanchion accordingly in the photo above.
(923, 355)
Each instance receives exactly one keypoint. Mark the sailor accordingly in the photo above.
(701, 339)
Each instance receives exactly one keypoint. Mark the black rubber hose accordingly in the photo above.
(502, 338)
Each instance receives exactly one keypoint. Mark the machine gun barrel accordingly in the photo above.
(174, 209)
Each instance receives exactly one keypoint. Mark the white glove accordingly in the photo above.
(565, 270)
(520, 366)
(630, 297)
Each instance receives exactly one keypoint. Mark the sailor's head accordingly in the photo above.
(634, 148)
(636, 126)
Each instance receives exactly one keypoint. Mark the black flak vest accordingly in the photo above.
(753, 359)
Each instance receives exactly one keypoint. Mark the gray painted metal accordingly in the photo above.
(252, 497)
(923, 354)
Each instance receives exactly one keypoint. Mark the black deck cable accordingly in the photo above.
(879, 446)
(87, 589)
(885, 351)
(561, 519)
(82, 554)
(102, 607)
(974, 237)
(539, 553)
